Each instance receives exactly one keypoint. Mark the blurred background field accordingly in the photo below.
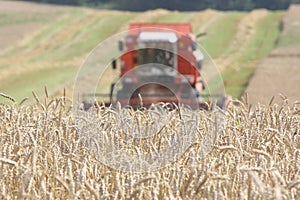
(44, 45)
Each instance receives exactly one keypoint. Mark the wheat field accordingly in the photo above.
(44, 154)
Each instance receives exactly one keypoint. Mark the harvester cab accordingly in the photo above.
(158, 47)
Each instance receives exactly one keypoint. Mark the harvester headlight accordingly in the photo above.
(129, 40)
(128, 80)
(184, 80)
(122, 64)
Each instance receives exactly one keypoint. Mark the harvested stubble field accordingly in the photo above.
(44, 44)
(279, 72)
(44, 155)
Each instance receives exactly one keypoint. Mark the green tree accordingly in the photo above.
(142, 5)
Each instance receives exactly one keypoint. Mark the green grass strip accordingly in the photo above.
(221, 33)
(261, 44)
(22, 85)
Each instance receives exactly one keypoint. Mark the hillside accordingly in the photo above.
(278, 74)
(43, 45)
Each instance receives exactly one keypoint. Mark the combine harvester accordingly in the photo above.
(159, 63)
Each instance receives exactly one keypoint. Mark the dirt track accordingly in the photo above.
(279, 73)
(275, 75)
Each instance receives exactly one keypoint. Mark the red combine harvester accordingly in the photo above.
(160, 63)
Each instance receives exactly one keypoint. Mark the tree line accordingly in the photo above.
(181, 5)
